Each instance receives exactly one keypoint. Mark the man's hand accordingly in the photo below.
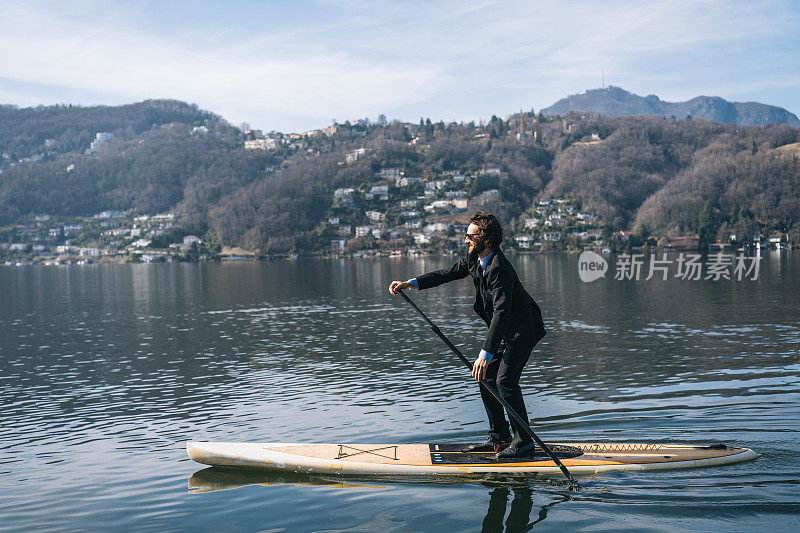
(479, 368)
(397, 286)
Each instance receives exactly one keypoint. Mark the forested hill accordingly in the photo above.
(62, 129)
(616, 101)
(651, 175)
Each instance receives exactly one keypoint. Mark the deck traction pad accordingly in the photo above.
(453, 453)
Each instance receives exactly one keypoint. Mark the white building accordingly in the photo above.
(524, 241)
(437, 227)
(256, 144)
(406, 181)
(390, 173)
(99, 140)
(531, 223)
(421, 238)
(353, 156)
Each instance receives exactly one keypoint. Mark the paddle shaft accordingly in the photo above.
(513, 414)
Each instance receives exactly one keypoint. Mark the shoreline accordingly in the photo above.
(365, 254)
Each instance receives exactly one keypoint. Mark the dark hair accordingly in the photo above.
(489, 226)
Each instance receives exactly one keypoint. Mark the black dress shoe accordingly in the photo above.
(517, 450)
(491, 445)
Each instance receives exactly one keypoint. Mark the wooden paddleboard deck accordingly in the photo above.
(450, 459)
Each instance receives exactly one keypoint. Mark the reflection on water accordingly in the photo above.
(105, 372)
(217, 478)
(499, 517)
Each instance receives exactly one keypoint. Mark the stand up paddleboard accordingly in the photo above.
(451, 459)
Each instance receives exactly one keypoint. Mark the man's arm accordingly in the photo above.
(432, 279)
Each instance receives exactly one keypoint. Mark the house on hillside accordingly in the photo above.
(491, 194)
(376, 216)
(531, 223)
(352, 157)
(381, 192)
(256, 144)
(421, 238)
(460, 204)
(524, 241)
(390, 173)
(437, 227)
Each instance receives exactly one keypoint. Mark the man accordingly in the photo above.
(515, 326)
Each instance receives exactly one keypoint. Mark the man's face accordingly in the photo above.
(474, 241)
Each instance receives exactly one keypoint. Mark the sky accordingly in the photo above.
(300, 65)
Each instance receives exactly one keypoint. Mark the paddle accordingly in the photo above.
(573, 484)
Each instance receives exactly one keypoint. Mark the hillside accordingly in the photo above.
(410, 184)
(615, 101)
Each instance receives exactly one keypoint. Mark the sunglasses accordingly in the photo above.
(473, 236)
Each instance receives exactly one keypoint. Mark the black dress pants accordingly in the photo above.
(503, 373)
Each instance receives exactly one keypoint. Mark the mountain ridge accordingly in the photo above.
(616, 101)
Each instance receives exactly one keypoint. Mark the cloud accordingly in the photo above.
(126, 65)
(300, 66)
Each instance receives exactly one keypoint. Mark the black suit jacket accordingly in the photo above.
(500, 300)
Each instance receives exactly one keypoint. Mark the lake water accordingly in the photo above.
(106, 371)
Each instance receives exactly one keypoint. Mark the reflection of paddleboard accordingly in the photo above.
(216, 478)
(449, 458)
